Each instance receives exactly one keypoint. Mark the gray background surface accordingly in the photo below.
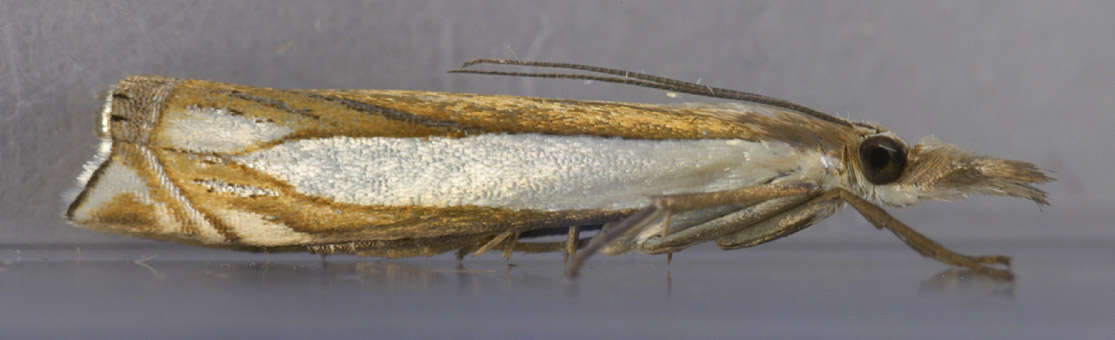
(1027, 80)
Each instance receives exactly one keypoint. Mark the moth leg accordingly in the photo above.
(549, 247)
(730, 223)
(788, 220)
(680, 214)
(571, 243)
(509, 246)
(509, 241)
(811, 211)
(920, 243)
(662, 206)
(494, 242)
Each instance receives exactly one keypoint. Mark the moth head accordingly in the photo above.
(898, 175)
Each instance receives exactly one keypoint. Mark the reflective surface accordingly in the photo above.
(800, 290)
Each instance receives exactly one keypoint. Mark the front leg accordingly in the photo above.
(920, 243)
(809, 212)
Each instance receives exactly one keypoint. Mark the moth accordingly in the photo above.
(399, 173)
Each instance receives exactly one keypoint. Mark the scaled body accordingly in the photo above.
(405, 173)
(227, 165)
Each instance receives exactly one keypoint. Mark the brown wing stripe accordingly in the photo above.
(273, 103)
(396, 114)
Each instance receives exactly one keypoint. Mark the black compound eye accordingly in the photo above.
(882, 159)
